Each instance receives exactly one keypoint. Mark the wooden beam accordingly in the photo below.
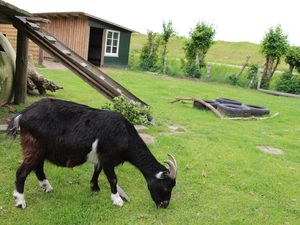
(103, 48)
(20, 79)
(277, 93)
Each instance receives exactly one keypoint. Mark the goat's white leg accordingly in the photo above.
(116, 199)
(20, 199)
(18, 194)
(46, 185)
(122, 194)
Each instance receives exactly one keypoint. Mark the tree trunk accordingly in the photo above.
(165, 59)
(275, 67)
(262, 74)
(270, 68)
(291, 69)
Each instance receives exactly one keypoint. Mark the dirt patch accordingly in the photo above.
(270, 150)
(53, 65)
(147, 138)
(174, 129)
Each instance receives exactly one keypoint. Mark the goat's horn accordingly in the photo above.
(172, 166)
(172, 158)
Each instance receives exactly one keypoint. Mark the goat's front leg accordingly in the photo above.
(94, 181)
(112, 179)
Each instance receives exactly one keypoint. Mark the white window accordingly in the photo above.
(112, 43)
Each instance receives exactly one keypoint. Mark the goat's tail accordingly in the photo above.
(13, 126)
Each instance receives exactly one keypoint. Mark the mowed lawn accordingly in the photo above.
(222, 178)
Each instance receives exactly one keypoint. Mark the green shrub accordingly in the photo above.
(289, 83)
(233, 79)
(135, 113)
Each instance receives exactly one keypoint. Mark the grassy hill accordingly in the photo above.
(221, 52)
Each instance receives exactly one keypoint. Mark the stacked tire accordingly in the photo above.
(234, 108)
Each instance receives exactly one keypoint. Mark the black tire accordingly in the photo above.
(232, 110)
(258, 110)
(228, 101)
(199, 105)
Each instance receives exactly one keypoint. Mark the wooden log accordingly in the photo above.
(20, 81)
(215, 111)
(277, 93)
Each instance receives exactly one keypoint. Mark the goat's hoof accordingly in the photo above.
(21, 205)
(95, 189)
(20, 200)
(46, 186)
(117, 200)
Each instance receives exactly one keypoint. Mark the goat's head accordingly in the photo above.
(161, 185)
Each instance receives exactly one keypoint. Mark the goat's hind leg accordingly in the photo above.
(21, 175)
(94, 181)
(44, 183)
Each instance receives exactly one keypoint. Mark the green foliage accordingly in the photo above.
(252, 71)
(201, 39)
(233, 79)
(251, 75)
(135, 113)
(292, 58)
(289, 83)
(149, 53)
(168, 31)
(275, 43)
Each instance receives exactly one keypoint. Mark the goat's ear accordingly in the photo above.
(162, 174)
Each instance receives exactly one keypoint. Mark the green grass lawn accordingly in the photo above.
(225, 52)
(242, 185)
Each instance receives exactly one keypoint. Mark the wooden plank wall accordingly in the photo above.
(11, 33)
(72, 31)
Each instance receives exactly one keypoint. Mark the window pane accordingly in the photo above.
(109, 34)
(108, 42)
(108, 49)
(116, 35)
(115, 43)
(114, 50)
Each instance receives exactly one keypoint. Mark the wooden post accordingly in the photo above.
(103, 47)
(20, 83)
(208, 72)
(41, 56)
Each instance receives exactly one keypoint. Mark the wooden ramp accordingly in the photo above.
(85, 70)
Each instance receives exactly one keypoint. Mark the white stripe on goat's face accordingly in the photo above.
(20, 200)
(93, 155)
(117, 200)
(46, 185)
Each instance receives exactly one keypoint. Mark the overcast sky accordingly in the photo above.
(234, 20)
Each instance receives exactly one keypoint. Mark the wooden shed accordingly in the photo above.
(99, 41)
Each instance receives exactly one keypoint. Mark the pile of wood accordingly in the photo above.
(35, 81)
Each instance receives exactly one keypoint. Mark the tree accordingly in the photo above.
(201, 39)
(168, 31)
(273, 47)
(292, 58)
(149, 57)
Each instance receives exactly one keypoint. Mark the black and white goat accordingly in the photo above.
(69, 134)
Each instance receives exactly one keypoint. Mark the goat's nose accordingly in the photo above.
(164, 204)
